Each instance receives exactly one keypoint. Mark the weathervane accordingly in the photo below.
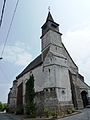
(49, 9)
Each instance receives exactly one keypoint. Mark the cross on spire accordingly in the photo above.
(48, 8)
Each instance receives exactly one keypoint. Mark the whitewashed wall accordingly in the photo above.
(88, 93)
(63, 82)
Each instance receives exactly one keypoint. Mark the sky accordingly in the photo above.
(24, 44)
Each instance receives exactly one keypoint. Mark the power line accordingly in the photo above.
(9, 28)
(2, 12)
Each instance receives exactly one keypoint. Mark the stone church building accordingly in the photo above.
(12, 95)
(58, 84)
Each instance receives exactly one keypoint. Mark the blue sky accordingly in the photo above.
(23, 43)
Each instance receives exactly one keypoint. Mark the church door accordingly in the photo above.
(84, 98)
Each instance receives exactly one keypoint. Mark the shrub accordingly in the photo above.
(30, 95)
(69, 110)
(54, 114)
(46, 112)
(73, 109)
(19, 110)
(31, 110)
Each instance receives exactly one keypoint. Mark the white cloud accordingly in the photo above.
(77, 42)
(17, 54)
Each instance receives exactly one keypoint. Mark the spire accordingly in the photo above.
(49, 24)
(49, 17)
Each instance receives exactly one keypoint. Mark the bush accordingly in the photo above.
(46, 112)
(31, 110)
(69, 111)
(33, 115)
(73, 109)
(19, 110)
(3, 106)
(54, 114)
(30, 95)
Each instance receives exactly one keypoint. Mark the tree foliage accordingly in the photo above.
(30, 95)
(3, 106)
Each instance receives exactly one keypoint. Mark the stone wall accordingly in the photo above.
(47, 99)
(12, 97)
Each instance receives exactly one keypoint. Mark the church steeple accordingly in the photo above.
(51, 37)
(49, 25)
(49, 17)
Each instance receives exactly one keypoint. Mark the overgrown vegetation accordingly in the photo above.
(70, 110)
(30, 96)
(49, 113)
(54, 114)
(46, 112)
(19, 110)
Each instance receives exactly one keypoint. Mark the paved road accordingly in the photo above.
(85, 115)
(4, 116)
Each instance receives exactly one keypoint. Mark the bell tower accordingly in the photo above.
(49, 25)
(51, 37)
(55, 64)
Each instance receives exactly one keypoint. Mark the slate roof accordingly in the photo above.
(49, 17)
(69, 55)
(35, 63)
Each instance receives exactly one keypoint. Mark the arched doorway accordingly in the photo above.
(84, 98)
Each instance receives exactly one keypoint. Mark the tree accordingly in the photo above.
(30, 95)
(3, 106)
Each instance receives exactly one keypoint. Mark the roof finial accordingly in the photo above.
(49, 17)
(48, 8)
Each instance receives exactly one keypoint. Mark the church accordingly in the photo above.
(58, 84)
